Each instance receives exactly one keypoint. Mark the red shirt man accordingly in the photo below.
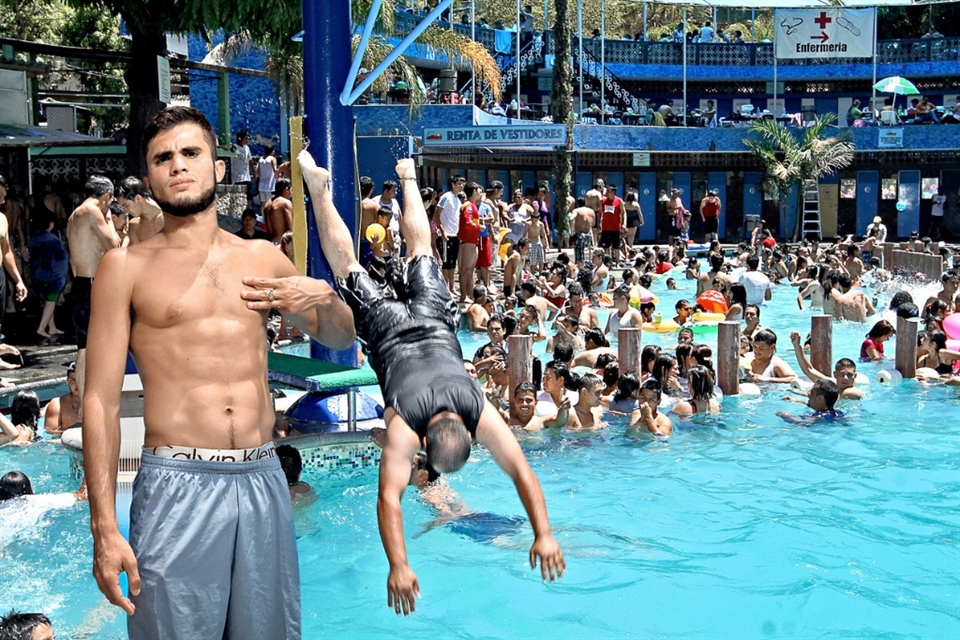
(613, 218)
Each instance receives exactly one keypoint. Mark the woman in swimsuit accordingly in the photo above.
(933, 345)
(700, 384)
(872, 347)
(736, 296)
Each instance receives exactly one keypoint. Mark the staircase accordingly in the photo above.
(810, 212)
(616, 91)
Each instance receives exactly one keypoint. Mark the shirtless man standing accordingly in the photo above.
(536, 234)
(368, 215)
(584, 219)
(146, 219)
(850, 305)
(592, 199)
(10, 264)
(211, 521)
(513, 268)
(278, 213)
(90, 234)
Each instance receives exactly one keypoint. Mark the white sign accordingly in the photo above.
(824, 33)
(890, 138)
(163, 77)
(641, 159)
(553, 135)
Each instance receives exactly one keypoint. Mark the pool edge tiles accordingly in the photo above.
(332, 452)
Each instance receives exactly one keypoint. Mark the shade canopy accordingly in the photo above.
(897, 85)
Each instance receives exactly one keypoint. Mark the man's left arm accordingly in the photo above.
(312, 305)
(9, 260)
(496, 436)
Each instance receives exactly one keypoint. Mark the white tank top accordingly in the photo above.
(268, 177)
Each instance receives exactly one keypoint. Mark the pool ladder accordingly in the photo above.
(810, 223)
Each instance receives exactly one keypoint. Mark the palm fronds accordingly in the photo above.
(466, 51)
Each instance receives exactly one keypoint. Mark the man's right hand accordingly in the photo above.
(795, 337)
(112, 555)
(402, 590)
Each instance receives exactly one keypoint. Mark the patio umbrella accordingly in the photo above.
(896, 85)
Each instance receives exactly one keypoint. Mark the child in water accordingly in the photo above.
(822, 398)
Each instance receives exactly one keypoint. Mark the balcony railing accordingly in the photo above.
(708, 54)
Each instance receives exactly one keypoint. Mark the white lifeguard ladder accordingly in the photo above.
(810, 210)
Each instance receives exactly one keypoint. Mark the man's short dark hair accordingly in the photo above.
(563, 351)
(242, 134)
(384, 212)
(471, 189)
(13, 485)
(171, 117)
(248, 213)
(454, 179)
(529, 287)
(753, 262)
(366, 186)
(595, 336)
(765, 336)
(389, 184)
(829, 390)
(291, 462)
(20, 626)
(448, 444)
(131, 187)
(575, 289)
(479, 291)
(97, 185)
(845, 363)
(280, 186)
(590, 380)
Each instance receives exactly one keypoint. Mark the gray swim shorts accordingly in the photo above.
(215, 547)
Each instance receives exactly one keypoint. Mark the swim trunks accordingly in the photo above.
(80, 292)
(215, 548)
(536, 255)
(580, 243)
(410, 335)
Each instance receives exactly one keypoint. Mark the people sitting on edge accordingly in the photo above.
(763, 365)
(292, 464)
(700, 384)
(587, 413)
(844, 371)
(822, 398)
(25, 626)
(871, 348)
(647, 417)
(62, 412)
(431, 402)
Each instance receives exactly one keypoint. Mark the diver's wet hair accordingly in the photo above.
(448, 444)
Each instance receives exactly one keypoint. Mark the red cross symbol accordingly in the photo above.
(823, 20)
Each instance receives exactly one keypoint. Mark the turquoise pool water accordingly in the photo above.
(738, 526)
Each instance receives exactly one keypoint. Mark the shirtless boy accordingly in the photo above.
(90, 234)
(431, 402)
(513, 268)
(146, 219)
(64, 412)
(368, 215)
(278, 213)
(177, 302)
(844, 372)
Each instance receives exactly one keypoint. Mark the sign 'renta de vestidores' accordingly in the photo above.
(824, 33)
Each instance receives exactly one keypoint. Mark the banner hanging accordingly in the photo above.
(824, 33)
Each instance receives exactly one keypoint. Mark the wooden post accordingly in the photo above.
(907, 346)
(728, 358)
(821, 343)
(888, 262)
(520, 361)
(628, 350)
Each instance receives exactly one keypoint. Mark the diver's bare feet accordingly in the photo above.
(56, 332)
(7, 365)
(317, 178)
(42, 333)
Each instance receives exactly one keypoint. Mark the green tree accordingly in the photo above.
(790, 156)
(561, 107)
(148, 22)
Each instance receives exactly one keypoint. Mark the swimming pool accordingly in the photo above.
(738, 526)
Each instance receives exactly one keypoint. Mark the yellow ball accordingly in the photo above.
(375, 233)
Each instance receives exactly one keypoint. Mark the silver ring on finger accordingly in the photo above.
(270, 296)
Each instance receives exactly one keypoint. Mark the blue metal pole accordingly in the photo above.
(329, 127)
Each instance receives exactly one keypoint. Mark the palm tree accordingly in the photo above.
(561, 105)
(791, 156)
(286, 66)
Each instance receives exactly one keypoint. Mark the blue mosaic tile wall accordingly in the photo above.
(253, 101)
(629, 71)
(340, 457)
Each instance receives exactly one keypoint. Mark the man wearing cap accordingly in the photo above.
(612, 222)
(710, 214)
(877, 229)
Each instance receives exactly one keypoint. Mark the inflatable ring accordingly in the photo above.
(635, 302)
(927, 372)
(861, 379)
(672, 273)
(665, 326)
(953, 345)
(708, 327)
(889, 376)
(703, 316)
(713, 302)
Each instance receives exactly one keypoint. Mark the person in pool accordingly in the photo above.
(647, 417)
(844, 371)
(822, 398)
(431, 402)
